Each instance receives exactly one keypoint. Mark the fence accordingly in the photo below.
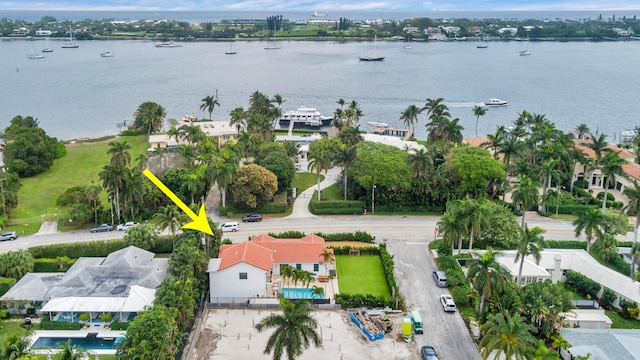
(250, 303)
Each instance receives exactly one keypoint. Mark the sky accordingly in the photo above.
(321, 5)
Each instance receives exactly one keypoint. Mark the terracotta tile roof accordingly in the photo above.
(589, 153)
(475, 142)
(632, 169)
(248, 252)
(305, 250)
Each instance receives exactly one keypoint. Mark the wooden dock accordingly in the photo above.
(401, 133)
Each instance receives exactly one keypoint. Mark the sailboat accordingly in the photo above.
(407, 46)
(107, 53)
(230, 51)
(482, 44)
(48, 48)
(525, 52)
(374, 57)
(273, 46)
(71, 44)
(35, 54)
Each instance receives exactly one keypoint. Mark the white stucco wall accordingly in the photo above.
(227, 283)
(304, 266)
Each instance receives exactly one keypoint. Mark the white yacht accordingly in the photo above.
(305, 117)
(496, 102)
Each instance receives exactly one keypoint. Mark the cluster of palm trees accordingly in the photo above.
(440, 126)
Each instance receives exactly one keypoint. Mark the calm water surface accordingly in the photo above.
(75, 93)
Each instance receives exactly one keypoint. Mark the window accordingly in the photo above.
(243, 276)
(299, 266)
(316, 267)
(226, 137)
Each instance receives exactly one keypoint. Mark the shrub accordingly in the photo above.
(84, 317)
(629, 309)
(443, 249)
(46, 324)
(461, 294)
(344, 250)
(291, 234)
(565, 244)
(610, 196)
(582, 284)
(117, 325)
(608, 297)
(61, 150)
(59, 264)
(131, 133)
(105, 317)
(336, 207)
(360, 300)
(580, 184)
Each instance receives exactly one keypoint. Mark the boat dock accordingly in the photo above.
(385, 130)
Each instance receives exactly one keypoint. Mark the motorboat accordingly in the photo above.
(378, 124)
(106, 54)
(496, 102)
(524, 53)
(168, 44)
(371, 58)
(35, 56)
(482, 45)
(305, 117)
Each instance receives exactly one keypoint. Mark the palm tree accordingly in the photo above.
(531, 243)
(277, 99)
(345, 158)
(475, 214)
(611, 166)
(170, 217)
(507, 335)
(495, 141)
(478, 111)
(410, 117)
(173, 132)
(238, 117)
(15, 346)
(133, 193)
(149, 116)
(208, 104)
(452, 226)
(92, 192)
(223, 174)
(526, 195)
(635, 253)
(452, 131)
(633, 194)
(420, 162)
(114, 179)
(318, 162)
(68, 352)
(350, 136)
(119, 153)
(295, 330)
(487, 275)
(582, 129)
(590, 223)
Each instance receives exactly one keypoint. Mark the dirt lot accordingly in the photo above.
(230, 335)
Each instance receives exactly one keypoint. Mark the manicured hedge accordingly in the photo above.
(344, 250)
(566, 244)
(360, 300)
(93, 248)
(46, 324)
(336, 207)
(410, 208)
(361, 236)
(582, 284)
(59, 264)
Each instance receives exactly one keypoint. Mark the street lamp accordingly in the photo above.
(373, 199)
(111, 203)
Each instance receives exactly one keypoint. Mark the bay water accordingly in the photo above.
(75, 93)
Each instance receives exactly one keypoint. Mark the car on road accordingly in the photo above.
(102, 228)
(428, 353)
(440, 278)
(127, 225)
(252, 217)
(229, 226)
(9, 235)
(447, 302)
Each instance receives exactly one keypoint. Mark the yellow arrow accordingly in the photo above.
(199, 223)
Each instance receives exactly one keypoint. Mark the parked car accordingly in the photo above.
(9, 235)
(229, 226)
(447, 302)
(127, 225)
(102, 228)
(428, 353)
(252, 217)
(440, 278)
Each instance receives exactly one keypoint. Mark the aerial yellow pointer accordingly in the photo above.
(199, 223)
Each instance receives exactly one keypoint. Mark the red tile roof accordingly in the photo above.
(305, 250)
(632, 169)
(247, 252)
(589, 153)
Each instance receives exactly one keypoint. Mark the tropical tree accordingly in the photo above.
(171, 217)
(350, 136)
(144, 236)
(68, 352)
(208, 104)
(114, 179)
(92, 192)
(419, 161)
(611, 165)
(526, 195)
(295, 330)
(590, 222)
(345, 158)
(582, 130)
(508, 336)
(531, 243)
(318, 162)
(238, 116)
(487, 275)
(223, 173)
(253, 186)
(410, 116)
(452, 227)
(475, 214)
(478, 111)
(119, 152)
(149, 116)
(15, 346)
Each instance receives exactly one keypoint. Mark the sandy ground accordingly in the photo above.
(230, 334)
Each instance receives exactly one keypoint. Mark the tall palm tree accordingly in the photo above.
(611, 166)
(410, 117)
(635, 253)
(174, 132)
(238, 117)
(633, 194)
(495, 141)
(223, 174)
(419, 161)
(295, 330)
(531, 243)
(208, 104)
(507, 335)
(171, 217)
(487, 275)
(452, 227)
(92, 192)
(318, 162)
(452, 131)
(133, 193)
(590, 222)
(120, 155)
(114, 179)
(526, 194)
(478, 111)
(278, 100)
(475, 213)
(149, 116)
(345, 158)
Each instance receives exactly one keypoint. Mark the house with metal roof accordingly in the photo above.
(121, 284)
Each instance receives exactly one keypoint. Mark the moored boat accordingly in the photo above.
(496, 102)
(305, 117)
(169, 44)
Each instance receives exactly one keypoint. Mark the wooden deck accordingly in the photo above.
(402, 133)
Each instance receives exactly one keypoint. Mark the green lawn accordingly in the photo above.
(361, 275)
(303, 180)
(333, 192)
(80, 166)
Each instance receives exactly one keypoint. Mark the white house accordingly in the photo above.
(246, 270)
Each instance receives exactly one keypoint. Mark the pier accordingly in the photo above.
(385, 130)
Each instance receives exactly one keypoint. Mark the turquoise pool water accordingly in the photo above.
(83, 343)
(300, 293)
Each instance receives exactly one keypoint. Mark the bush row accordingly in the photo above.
(360, 300)
(93, 248)
(410, 208)
(361, 236)
(458, 283)
(46, 324)
(344, 250)
(582, 284)
(336, 207)
(59, 264)
(387, 266)
(566, 244)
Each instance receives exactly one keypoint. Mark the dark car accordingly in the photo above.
(101, 228)
(9, 235)
(252, 217)
(428, 353)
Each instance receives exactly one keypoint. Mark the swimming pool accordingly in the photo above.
(300, 293)
(83, 343)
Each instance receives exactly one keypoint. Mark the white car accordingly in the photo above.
(447, 302)
(127, 225)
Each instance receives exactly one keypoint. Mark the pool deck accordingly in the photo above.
(101, 333)
(277, 283)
